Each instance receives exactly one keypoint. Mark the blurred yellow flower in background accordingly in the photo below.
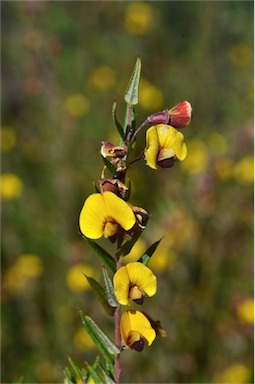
(77, 105)
(197, 157)
(223, 168)
(75, 279)
(150, 97)
(234, 374)
(103, 77)
(245, 311)
(11, 186)
(244, 170)
(139, 18)
(163, 259)
(82, 340)
(241, 55)
(18, 277)
(8, 139)
(218, 143)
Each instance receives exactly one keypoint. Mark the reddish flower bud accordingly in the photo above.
(161, 117)
(180, 115)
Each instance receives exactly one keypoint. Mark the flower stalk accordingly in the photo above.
(108, 213)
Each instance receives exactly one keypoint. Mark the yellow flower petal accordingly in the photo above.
(101, 209)
(172, 139)
(142, 277)
(93, 216)
(164, 141)
(152, 148)
(119, 210)
(121, 285)
(134, 275)
(135, 321)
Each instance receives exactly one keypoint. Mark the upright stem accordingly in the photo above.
(117, 315)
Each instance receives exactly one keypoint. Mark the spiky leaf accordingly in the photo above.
(109, 291)
(115, 120)
(146, 257)
(131, 95)
(105, 256)
(94, 375)
(102, 341)
(76, 369)
(101, 294)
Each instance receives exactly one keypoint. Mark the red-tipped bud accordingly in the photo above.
(161, 117)
(180, 115)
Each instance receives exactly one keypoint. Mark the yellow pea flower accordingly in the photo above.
(136, 330)
(164, 145)
(134, 281)
(105, 215)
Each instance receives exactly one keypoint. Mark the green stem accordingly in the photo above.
(117, 316)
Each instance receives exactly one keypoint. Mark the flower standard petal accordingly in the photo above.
(119, 210)
(103, 214)
(135, 327)
(93, 216)
(134, 281)
(142, 277)
(121, 285)
(152, 147)
(172, 139)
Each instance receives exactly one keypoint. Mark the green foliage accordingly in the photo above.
(101, 294)
(131, 94)
(103, 254)
(102, 341)
(147, 255)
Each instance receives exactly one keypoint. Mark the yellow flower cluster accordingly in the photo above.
(25, 270)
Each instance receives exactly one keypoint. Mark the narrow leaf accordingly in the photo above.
(94, 375)
(108, 379)
(109, 165)
(105, 256)
(146, 257)
(102, 297)
(115, 120)
(109, 291)
(102, 341)
(76, 369)
(69, 376)
(131, 95)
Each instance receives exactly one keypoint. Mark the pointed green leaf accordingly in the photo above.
(69, 376)
(76, 369)
(146, 257)
(109, 165)
(127, 246)
(105, 256)
(95, 376)
(100, 292)
(107, 377)
(115, 120)
(131, 95)
(109, 291)
(102, 341)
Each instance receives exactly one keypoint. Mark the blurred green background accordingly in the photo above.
(63, 65)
